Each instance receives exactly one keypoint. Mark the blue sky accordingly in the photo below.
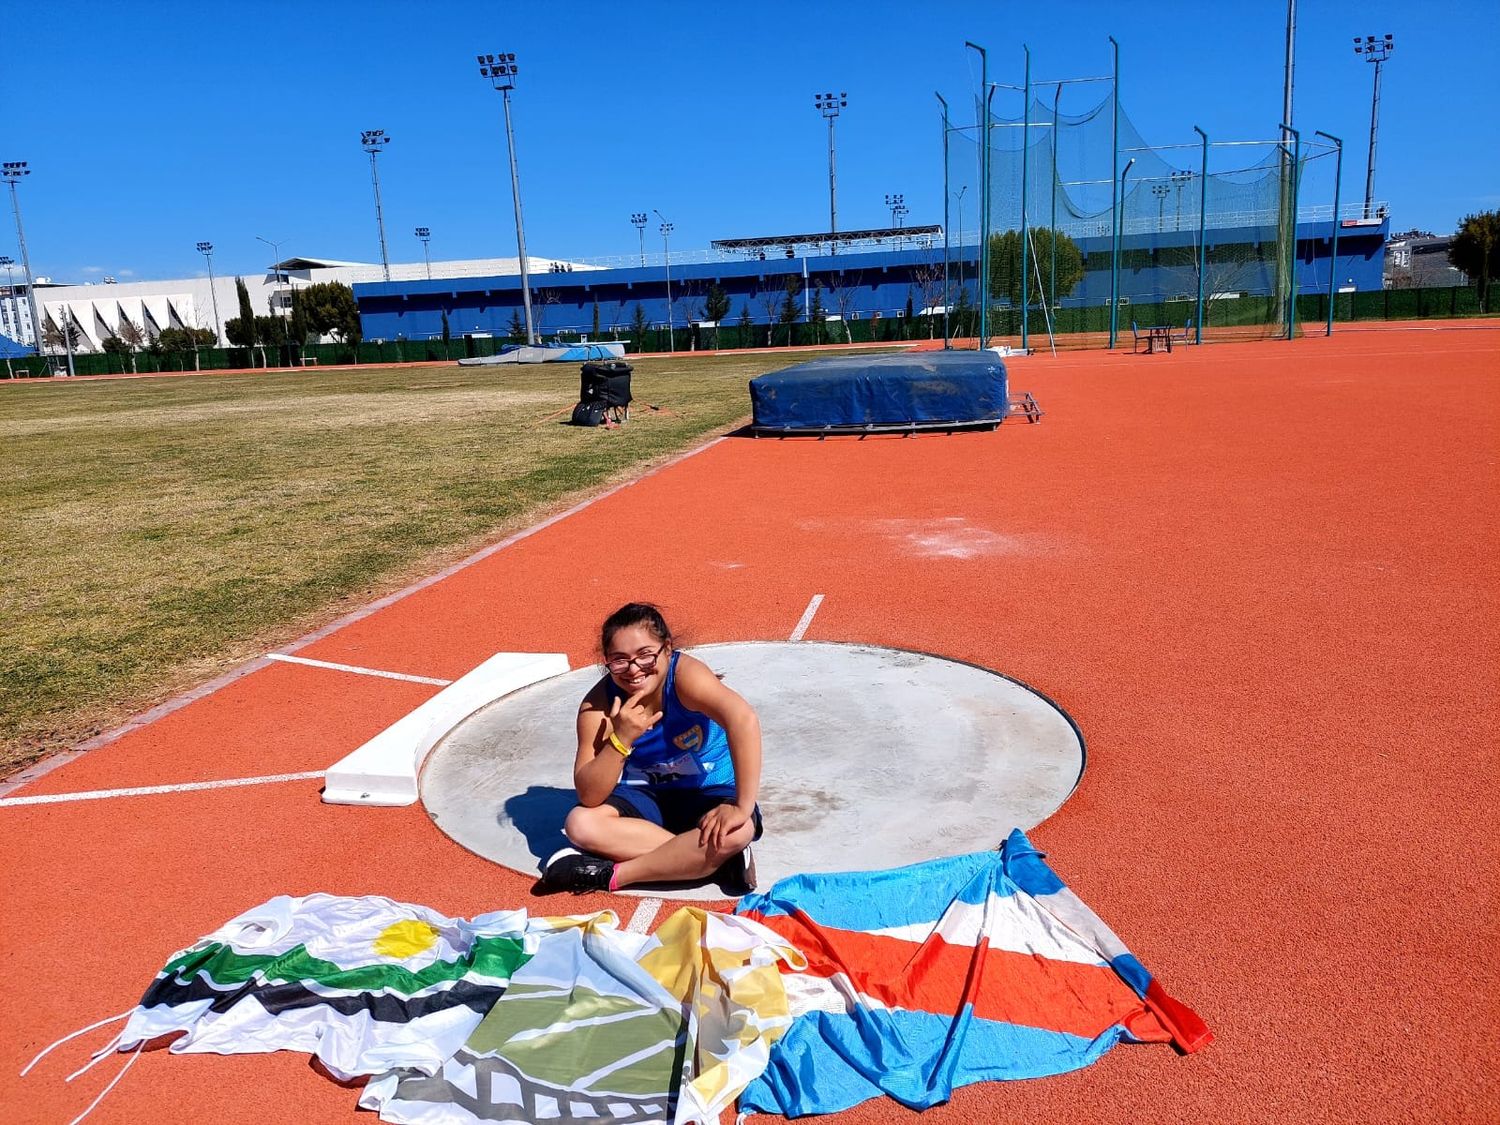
(150, 126)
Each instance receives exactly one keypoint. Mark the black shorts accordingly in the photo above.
(676, 810)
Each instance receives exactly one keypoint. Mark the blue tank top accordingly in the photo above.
(686, 750)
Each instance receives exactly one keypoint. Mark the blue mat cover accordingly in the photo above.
(920, 388)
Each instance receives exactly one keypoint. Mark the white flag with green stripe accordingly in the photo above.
(365, 984)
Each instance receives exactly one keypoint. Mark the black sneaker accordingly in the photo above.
(572, 870)
(737, 876)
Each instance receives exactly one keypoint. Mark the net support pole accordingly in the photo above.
(1052, 216)
(947, 292)
(1025, 176)
(1114, 195)
(1114, 304)
(1202, 231)
(982, 108)
(1291, 238)
(1333, 248)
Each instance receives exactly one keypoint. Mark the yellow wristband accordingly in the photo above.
(614, 740)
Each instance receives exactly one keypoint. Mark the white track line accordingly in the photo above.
(644, 915)
(151, 790)
(807, 616)
(286, 659)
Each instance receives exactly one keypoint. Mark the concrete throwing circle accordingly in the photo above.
(874, 758)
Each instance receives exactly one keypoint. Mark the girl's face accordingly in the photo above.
(637, 660)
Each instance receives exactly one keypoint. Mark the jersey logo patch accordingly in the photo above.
(690, 739)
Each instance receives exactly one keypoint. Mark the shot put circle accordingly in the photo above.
(873, 758)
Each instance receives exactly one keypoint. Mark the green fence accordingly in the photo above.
(1312, 313)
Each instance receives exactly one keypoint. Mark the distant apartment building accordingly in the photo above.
(1418, 259)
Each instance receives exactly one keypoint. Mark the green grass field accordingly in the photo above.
(158, 531)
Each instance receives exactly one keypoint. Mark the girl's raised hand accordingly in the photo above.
(629, 719)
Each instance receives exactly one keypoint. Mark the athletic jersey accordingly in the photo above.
(686, 750)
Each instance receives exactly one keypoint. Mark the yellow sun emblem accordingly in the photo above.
(406, 938)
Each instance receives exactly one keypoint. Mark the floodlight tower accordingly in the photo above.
(501, 71)
(1181, 177)
(1375, 51)
(830, 105)
(374, 141)
(1160, 191)
(666, 231)
(13, 171)
(424, 235)
(207, 250)
(638, 219)
(897, 204)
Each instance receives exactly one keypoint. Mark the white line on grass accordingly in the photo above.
(150, 790)
(644, 915)
(807, 616)
(285, 659)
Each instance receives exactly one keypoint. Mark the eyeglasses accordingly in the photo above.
(646, 662)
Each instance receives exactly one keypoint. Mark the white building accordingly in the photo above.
(98, 311)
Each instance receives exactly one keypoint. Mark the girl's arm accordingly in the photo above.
(700, 690)
(598, 766)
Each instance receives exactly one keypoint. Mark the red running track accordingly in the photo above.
(1261, 577)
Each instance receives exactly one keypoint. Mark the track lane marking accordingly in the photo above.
(807, 616)
(287, 658)
(152, 790)
(644, 915)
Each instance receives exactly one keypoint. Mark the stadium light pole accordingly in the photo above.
(897, 204)
(501, 71)
(639, 219)
(13, 171)
(1114, 264)
(424, 236)
(283, 279)
(207, 250)
(1333, 249)
(1202, 231)
(666, 248)
(1291, 253)
(1160, 191)
(1181, 177)
(1025, 228)
(830, 105)
(374, 141)
(1375, 51)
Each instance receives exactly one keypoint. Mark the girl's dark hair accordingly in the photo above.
(636, 613)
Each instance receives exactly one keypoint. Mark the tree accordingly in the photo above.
(174, 340)
(240, 330)
(595, 334)
(745, 324)
(845, 293)
(716, 308)
(768, 298)
(517, 329)
(331, 310)
(638, 326)
(1005, 265)
(789, 310)
(129, 337)
(816, 314)
(1474, 251)
(53, 336)
(447, 333)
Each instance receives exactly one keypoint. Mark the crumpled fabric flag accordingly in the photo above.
(606, 1025)
(364, 984)
(929, 977)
